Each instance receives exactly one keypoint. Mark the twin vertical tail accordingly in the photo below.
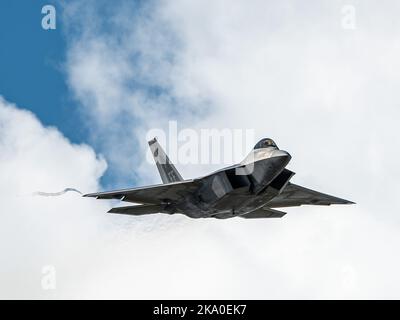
(166, 169)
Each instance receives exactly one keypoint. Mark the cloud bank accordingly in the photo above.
(37, 231)
(290, 71)
(326, 94)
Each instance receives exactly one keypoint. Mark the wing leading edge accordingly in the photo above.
(295, 195)
(156, 194)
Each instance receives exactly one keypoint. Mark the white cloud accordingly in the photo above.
(311, 253)
(38, 231)
(325, 94)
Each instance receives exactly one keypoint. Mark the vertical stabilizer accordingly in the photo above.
(166, 169)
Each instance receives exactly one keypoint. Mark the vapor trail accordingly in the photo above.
(55, 194)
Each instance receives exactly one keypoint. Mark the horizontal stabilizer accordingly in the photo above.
(263, 213)
(137, 210)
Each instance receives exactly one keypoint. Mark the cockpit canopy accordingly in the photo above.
(265, 143)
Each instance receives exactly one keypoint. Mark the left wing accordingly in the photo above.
(294, 195)
(156, 194)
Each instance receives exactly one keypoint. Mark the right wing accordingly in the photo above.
(294, 195)
(156, 194)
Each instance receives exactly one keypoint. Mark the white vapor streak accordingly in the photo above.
(55, 194)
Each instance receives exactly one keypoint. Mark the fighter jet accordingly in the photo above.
(251, 189)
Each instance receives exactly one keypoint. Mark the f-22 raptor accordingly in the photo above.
(254, 188)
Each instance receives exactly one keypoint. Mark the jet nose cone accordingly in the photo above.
(282, 153)
(282, 156)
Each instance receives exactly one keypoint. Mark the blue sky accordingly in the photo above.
(31, 66)
(33, 69)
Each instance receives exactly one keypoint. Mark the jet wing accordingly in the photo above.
(156, 194)
(295, 195)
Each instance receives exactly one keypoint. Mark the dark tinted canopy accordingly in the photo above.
(265, 143)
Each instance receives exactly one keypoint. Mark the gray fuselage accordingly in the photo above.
(238, 189)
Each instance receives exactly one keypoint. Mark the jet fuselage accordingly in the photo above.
(251, 189)
(241, 188)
